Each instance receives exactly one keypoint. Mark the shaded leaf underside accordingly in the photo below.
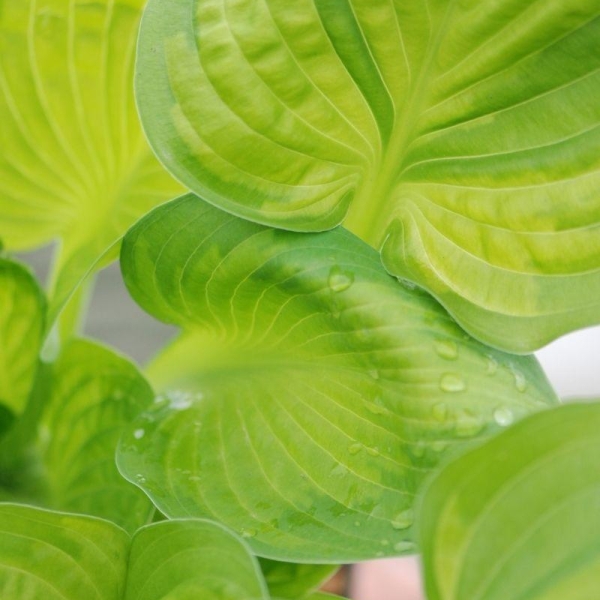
(459, 137)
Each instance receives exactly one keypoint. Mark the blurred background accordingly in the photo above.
(572, 365)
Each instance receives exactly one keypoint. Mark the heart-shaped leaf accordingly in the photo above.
(519, 517)
(460, 137)
(59, 556)
(310, 392)
(95, 395)
(22, 318)
(74, 163)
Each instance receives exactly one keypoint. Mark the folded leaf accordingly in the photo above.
(519, 517)
(74, 163)
(95, 395)
(58, 556)
(22, 318)
(461, 138)
(310, 393)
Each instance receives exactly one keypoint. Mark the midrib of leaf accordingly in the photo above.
(365, 220)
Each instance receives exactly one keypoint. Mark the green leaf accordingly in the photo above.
(22, 318)
(461, 138)
(310, 393)
(294, 581)
(59, 556)
(519, 517)
(95, 395)
(74, 164)
(192, 560)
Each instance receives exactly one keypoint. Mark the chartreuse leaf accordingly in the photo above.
(294, 581)
(461, 138)
(60, 556)
(22, 317)
(519, 517)
(95, 395)
(74, 163)
(310, 392)
(192, 560)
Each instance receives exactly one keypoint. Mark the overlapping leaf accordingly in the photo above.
(74, 163)
(519, 517)
(310, 393)
(461, 138)
(22, 318)
(59, 556)
(95, 395)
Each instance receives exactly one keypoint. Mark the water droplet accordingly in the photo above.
(179, 400)
(440, 411)
(446, 349)
(374, 373)
(451, 382)
(520, 381)
(248, 533)
(504, 416)
(491, 365)
(404, 547)
(373, 451)
(419, 449)
(340, 280)
(138, 434)
(409, 285)
(355, 448)
(140, 478)
(404, 519)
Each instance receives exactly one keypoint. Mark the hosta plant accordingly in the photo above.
(361, 215)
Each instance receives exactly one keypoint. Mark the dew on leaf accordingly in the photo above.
(446, 349)
(340, 280)
(452, 383)
(504, 416)
(404, 519)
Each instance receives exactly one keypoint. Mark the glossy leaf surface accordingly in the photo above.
(519, 517)
(310, 393)
(95, 395)
(22, 318)
(74, 163)
(58, 556)
(461, 138)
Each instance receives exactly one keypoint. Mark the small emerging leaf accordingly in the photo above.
(294, 581)
(310, 393)
(519, 517)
